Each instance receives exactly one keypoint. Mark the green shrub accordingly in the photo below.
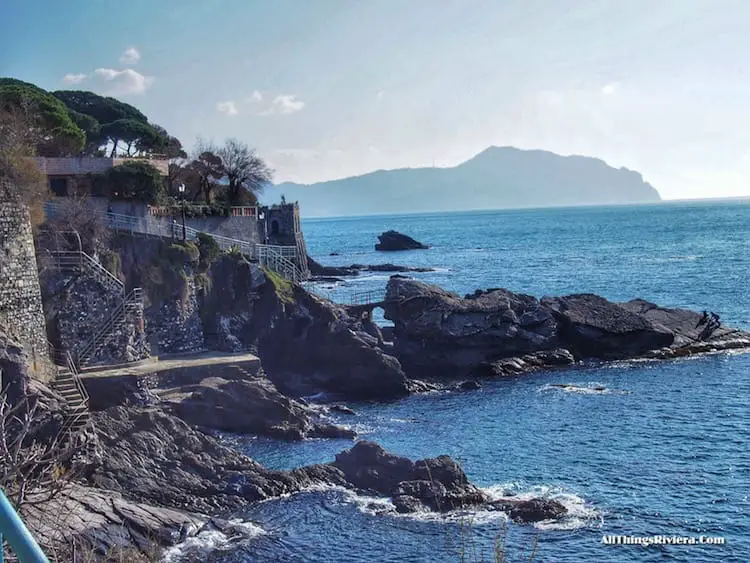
(209, 248)
(180, 253)
(138, 181)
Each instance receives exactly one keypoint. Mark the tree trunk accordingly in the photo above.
(114, 148)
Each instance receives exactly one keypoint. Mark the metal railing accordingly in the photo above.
(80, 261)
(105, 331)
(274, 257)
(63, 360)
(15, 532)
(225, 243)
(271, 258)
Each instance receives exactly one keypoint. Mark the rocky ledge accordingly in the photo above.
(325, 273)
(236, 399)
(393, 240)
(155, 458)
(498, 332)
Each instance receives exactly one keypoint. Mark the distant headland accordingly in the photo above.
(498, 177)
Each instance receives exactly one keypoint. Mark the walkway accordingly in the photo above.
(171, 362)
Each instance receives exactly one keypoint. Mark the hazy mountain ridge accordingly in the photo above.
(498, 177)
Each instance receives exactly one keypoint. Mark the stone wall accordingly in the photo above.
(21, 313)
(241, 228)
(77, 305)
(174, 325)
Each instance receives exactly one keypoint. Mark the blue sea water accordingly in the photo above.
(664, 452)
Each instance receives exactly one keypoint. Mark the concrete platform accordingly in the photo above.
(201, 362)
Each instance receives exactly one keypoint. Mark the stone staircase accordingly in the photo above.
(69, 386)
(132, 304)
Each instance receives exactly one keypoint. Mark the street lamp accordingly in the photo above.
(181, 189)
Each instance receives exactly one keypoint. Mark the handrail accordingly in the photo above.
(18, 536)
(295, 253)
(91, 346)
(77, 378)
(78, 258)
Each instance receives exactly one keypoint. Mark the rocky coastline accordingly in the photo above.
(156, 471)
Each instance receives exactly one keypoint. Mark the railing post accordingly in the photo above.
(17, 534)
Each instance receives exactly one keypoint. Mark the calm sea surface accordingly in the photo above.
(664, 452)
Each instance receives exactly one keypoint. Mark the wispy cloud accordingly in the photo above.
(227, 108)
(284, 104)
(112, 82)
(255, 97)
(73, 78)
(120, 82)
(380, 95)
(611, 88)
(130, 56)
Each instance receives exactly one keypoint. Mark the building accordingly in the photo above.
(66, 173)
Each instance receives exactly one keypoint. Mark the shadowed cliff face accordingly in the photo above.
(307, 345)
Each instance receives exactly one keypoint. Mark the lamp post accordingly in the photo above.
(181, 189)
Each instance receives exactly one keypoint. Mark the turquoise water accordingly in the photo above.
(664, 452)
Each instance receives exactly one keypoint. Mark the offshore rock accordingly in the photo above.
(593, 327)
(525, 364)
(434, 484)
(439, 333)
(393, 240)
(500, 333)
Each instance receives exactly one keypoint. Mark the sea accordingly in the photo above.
(663, 451)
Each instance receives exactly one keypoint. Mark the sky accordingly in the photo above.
(325, 89)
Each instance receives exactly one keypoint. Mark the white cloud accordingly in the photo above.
(610, 88)
(130, 56)
(284, 104)
(228, 108)
(256, 96)
(381, 94)
(72, 78)
(120, 82)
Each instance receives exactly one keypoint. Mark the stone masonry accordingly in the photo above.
(21, 313)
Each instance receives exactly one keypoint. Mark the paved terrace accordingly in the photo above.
(165, 364)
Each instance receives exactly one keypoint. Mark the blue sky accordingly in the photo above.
(330, 88)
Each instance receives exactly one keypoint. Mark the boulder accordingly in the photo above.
(436, 484)
(593, 327)
(439, 333)
(393, 240)
(249, 406)
(368, 466)
(530, 510)
(527, 363)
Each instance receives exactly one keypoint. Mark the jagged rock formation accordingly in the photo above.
(223, 397)
(497, 332)
(438, 333)
(393, 241)
(317, 270)
(308, 345)
(153, 457)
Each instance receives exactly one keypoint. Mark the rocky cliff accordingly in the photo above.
(440, 333)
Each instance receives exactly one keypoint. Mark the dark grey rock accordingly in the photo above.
(393, 240)
(441, 334)
(593, 327)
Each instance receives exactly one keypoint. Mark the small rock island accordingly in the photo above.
(393, 241)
